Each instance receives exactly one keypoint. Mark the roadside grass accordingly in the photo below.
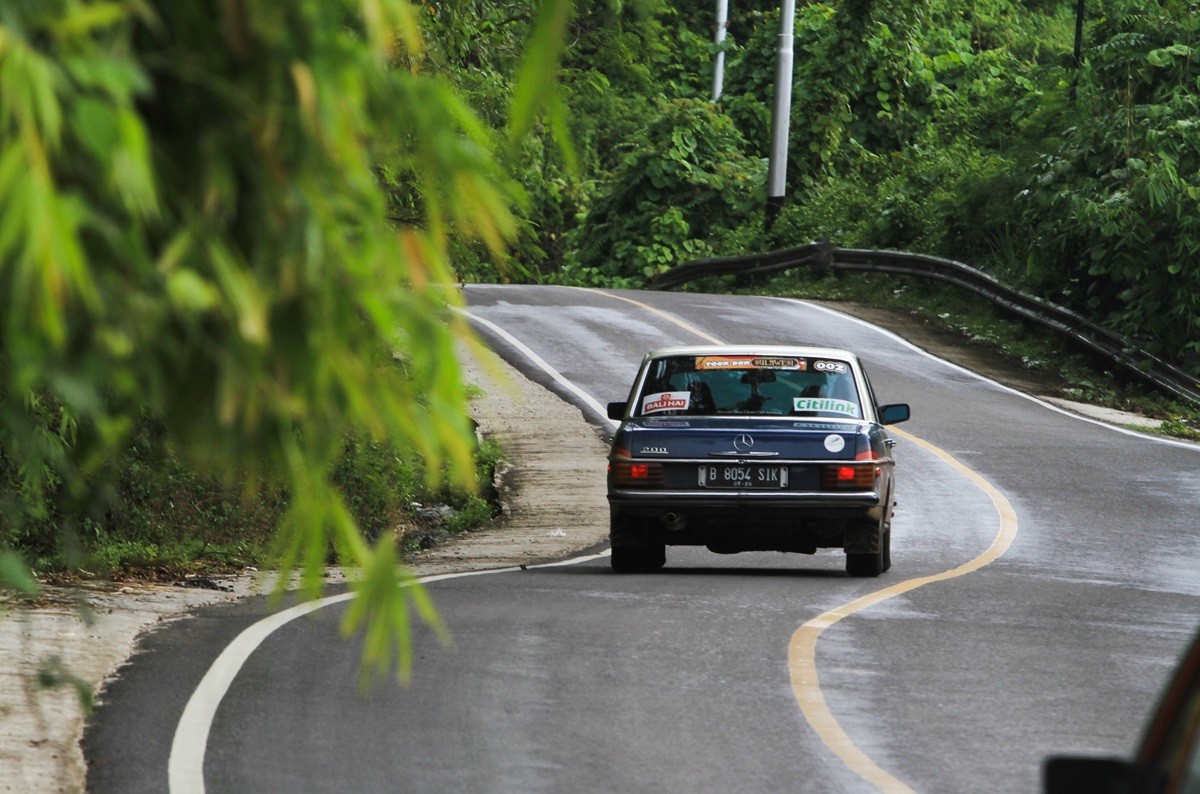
(1176, 428)
(470, 510)
(1087, 378)
(163, 522)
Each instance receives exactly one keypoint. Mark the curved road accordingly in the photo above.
(570, 678)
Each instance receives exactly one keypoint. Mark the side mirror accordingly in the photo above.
(1066, 774)
(893, 414)
(617, 410)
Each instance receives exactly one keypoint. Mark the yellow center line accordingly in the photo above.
(802, 649)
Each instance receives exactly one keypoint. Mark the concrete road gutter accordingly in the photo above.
(1109, 415)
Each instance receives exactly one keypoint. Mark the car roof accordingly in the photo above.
(801, 351)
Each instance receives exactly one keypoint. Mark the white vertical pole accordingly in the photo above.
(781, 113)
(719, 66)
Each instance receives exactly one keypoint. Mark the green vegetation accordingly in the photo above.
(962, 130)
(227, 230)
(163, 520)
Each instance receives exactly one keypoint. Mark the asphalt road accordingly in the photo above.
(571, 678)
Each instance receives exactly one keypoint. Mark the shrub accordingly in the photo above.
(1114, 210)
(688, 177)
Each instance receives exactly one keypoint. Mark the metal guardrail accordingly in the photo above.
(1079, 330)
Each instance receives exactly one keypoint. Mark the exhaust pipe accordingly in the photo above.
(675, 521)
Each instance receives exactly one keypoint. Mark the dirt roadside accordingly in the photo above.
(554, 505)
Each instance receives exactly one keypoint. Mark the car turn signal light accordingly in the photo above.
(849, 476)
(634, 473)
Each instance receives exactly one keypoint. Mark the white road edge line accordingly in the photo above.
(897, 338)
(188, 747)
(540, 362)
(185, 766)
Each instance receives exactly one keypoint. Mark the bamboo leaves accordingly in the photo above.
(192, 226)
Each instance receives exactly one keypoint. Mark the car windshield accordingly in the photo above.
(772, 385)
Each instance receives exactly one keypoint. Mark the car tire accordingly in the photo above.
(864, 564)
(638, 559)
(876, 562)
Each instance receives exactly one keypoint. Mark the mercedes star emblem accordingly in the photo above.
(743, 443)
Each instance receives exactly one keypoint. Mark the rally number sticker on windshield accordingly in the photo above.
(825, 404)
(666, 401)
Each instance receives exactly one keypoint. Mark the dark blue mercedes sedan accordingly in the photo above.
(749, 448)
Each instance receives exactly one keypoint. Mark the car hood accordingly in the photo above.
(714, 437)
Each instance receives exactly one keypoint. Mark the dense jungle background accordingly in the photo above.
(970, 130)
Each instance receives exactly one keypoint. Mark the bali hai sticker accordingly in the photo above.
(666, 401)
(826, 404)
(835, 443)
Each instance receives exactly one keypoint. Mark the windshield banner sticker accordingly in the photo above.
(825, 404)
(666, 401)
(749, 362)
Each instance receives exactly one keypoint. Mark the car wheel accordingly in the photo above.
(864, 564)
(875, 562)
(638, 559)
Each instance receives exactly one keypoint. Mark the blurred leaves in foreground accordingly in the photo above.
(192, 227)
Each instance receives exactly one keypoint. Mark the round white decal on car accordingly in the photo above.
(835, 443)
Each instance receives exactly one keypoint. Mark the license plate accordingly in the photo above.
(728, 476)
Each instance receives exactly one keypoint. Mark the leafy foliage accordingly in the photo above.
(1114, 207)
(193, 227)
(229, 216)
(661, 204)
(961, 130)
